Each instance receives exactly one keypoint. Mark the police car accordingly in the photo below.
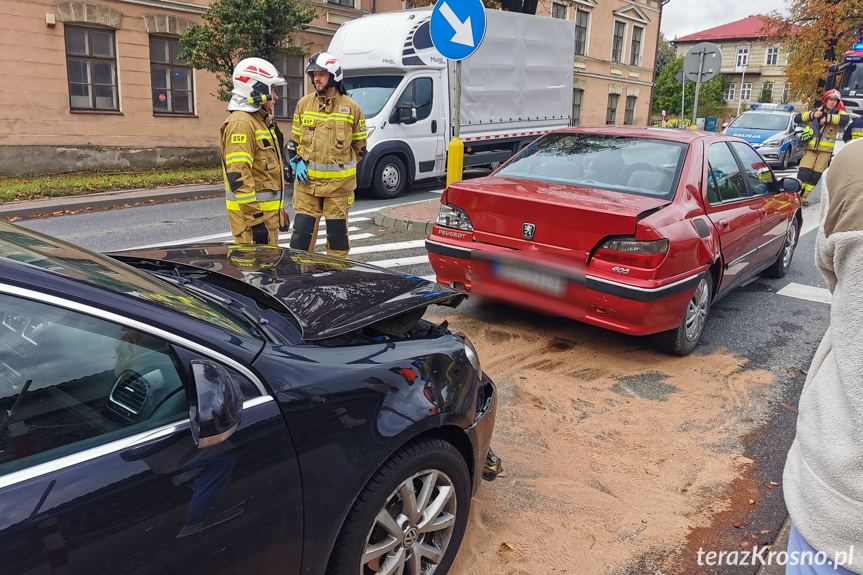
(771, 130)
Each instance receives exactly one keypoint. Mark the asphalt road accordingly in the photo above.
(775, 332)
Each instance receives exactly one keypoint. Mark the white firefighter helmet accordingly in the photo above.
(326, 62)
(254, 78)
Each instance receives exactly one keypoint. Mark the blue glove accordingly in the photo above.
(299, 166)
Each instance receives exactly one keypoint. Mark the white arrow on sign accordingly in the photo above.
(463, 31)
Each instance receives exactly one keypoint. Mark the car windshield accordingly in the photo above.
(756, 121)
(852, 81)
(371, 92)
(626, 164)
(49, 253)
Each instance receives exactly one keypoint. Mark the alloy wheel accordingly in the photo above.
(790, 244)
(412, 531)
(391, 177)
(696, 311)
(786, 159)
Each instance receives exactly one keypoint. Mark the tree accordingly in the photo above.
(666, 94)
(237, 29)
(666, 53)
(815, 34)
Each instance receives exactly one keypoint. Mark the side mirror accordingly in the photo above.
(404, 114)
(791, 185)
(798, 129)
(217, 404)
(725, 124)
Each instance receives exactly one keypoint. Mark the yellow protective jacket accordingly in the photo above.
(826, 135)
(330, 134)
(254, 170)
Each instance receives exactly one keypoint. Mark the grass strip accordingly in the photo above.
(78, 183)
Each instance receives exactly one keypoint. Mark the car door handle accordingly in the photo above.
(724, 225)
(434, 126)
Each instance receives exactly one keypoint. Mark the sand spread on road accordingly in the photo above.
(612, 450)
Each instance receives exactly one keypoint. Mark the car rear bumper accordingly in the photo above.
(619, 306)
(480, 431)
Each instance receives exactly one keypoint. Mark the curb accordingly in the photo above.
(386, 219)
(106, 200)
(779, 544)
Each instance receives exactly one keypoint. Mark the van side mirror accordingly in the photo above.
(404, 114)
(216, 406)
(791, 185)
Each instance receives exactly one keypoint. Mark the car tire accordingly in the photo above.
(390, 177)
(783, 261)
(379, 521)
(684, 339)
(786, 159)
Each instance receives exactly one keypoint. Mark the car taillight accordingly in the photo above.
(633, 253)
(454, 217)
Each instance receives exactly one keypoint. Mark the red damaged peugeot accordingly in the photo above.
(636, 230)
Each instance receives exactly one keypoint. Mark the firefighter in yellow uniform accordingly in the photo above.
(328, 140)
(252, 159)
(827, 122)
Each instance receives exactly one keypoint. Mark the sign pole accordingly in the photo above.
(682, 103)
(455, 155)
(698, 85)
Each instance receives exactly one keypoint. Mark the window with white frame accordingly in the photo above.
(745, 92)
(558, 11)
(742, 57)
(617, 42)
(577, 95)
(582, 20)
(635, 46)
(611, 111)
(629, 112)
(772, 57)
(730, 91)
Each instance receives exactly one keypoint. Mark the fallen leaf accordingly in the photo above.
(751, 502)
(764, 544)
(744, 460)
(773, 483)
(788, 407)
(765, 531)
(744, 543)
(507, 547)
(740, 525)
(768, 486)
(501, 474)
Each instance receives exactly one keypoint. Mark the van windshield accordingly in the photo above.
(756, 121)
(371, 92)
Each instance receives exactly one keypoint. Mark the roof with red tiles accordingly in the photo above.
(748, 28)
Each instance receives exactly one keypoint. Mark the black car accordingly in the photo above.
(225, 408)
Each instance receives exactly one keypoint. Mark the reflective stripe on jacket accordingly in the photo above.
(826, 135)
(253, 168)
(330, 134)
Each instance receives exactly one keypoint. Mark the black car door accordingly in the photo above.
(98, 469)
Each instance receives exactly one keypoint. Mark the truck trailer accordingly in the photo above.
(516, 87)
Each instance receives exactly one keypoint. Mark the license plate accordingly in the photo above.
(529, 277)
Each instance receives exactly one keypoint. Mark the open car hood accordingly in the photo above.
(328, 296)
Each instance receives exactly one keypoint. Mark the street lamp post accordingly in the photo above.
(742, 79)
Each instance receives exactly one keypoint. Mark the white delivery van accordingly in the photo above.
(515, 87)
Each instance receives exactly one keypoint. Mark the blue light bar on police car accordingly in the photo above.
(858, 46)
(788, 107)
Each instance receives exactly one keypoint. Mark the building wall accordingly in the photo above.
(40, 133)
(596, 73)
(757, 72)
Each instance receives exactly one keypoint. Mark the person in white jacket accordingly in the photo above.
(823, 478)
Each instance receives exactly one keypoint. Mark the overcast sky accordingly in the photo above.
(682, 17)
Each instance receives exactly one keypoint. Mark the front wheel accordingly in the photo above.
(685, 338)
(786, 158)
(410, 518)
(390, 177)
(783, 261)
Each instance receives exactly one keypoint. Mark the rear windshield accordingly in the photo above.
(626, 164)
(756, 121)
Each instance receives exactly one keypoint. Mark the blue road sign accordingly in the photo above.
(457, 27)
